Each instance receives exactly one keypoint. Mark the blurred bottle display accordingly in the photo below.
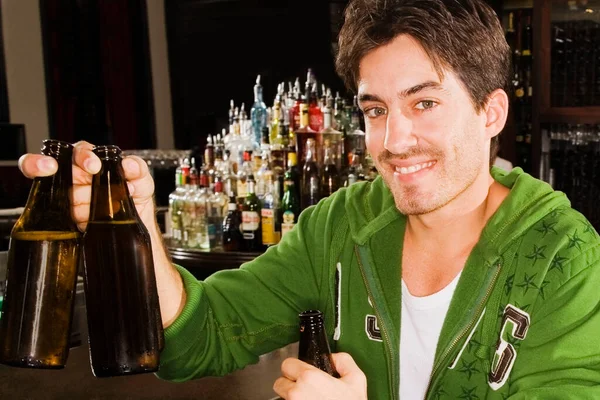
(274, 154)
(42, 271)
(125, 327)
(311, 186)
(217, 210)
(233, 238)
(251, 218)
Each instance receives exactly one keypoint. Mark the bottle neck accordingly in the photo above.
(48, 206)
(110, 196)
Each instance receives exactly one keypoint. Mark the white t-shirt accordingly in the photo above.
(422, 320)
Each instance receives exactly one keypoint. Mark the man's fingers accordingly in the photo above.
(347, 368)
(34, 165)
(81, 195)
(282, 387)
(141, 184)
(85, 159)
(292, 368)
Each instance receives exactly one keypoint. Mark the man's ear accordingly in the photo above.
(496, 112)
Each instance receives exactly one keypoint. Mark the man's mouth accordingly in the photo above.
(413, 168)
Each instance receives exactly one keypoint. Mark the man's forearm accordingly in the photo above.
(171, 292)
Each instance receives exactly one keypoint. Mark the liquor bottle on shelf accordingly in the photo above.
(219, 151)
(270, 221)
(258, 113)
(229, 176)
(313, 347)
(311, 193)
(304, 133)
(355, 171)
(233, 239)
(251, 218)
(290, 203)
(331, 178)
(295, 110)
(217, 210)
(209, 160)
(243, 174)
(315, 115)
(263, 175)
(276, 117)
(198, 235)
(188, 216)
(175, 204)
(332, 136)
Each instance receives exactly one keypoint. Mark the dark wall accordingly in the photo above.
(217, 47)
(98, 74)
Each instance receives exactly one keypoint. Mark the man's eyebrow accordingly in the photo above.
(364, 97)
(420, 87)
(368, 97)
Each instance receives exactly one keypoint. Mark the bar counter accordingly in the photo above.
(76, 381)
(202, 263)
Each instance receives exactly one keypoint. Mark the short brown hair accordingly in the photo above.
(464, 36)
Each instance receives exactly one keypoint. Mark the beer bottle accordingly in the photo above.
(42, 271)
(125, 327)
(251, 218)
(314, 347)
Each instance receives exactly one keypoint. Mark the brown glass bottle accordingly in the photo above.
(311, 179)
(42, 271)
(314, 347)
(125, 327)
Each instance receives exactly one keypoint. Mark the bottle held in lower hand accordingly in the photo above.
(125, 327)
(314, 346)
(42, 271)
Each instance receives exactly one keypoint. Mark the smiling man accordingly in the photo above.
(442, 279)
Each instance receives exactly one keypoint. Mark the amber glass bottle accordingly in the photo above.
(314, 347)
(125, 327)
(42, 271)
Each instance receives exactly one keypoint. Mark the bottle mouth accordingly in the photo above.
(107, 152)
(55, 148)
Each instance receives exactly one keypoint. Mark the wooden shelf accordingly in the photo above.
(571, 115)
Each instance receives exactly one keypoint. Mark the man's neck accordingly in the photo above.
(459, 223)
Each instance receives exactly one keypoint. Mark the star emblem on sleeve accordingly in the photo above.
(528, 283)
(469, 394)
(575, 240)
(547, 228)
(557, 263)
(537, 254)
(469, 368)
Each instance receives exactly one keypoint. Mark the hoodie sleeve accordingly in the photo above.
(560, 358)
(236, 315)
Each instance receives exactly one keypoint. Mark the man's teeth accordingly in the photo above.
(414, 168)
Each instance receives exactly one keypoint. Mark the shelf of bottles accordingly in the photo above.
(261, 171)
(575, 53)
(570, 162)
(518, 30)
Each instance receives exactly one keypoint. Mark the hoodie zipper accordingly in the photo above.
(387, 342)
(466, 330)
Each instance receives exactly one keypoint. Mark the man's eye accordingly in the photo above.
(374, 112)
(426, 105)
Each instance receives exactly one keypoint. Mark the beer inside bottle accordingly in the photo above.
(125, 327)
(42, 272)
(313, 346)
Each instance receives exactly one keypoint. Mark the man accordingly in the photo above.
(440, 279)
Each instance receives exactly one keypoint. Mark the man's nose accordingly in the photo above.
(399, 133)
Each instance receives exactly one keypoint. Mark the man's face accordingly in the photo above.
(425, 137)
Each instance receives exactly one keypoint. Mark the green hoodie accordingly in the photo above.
(523, 322)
